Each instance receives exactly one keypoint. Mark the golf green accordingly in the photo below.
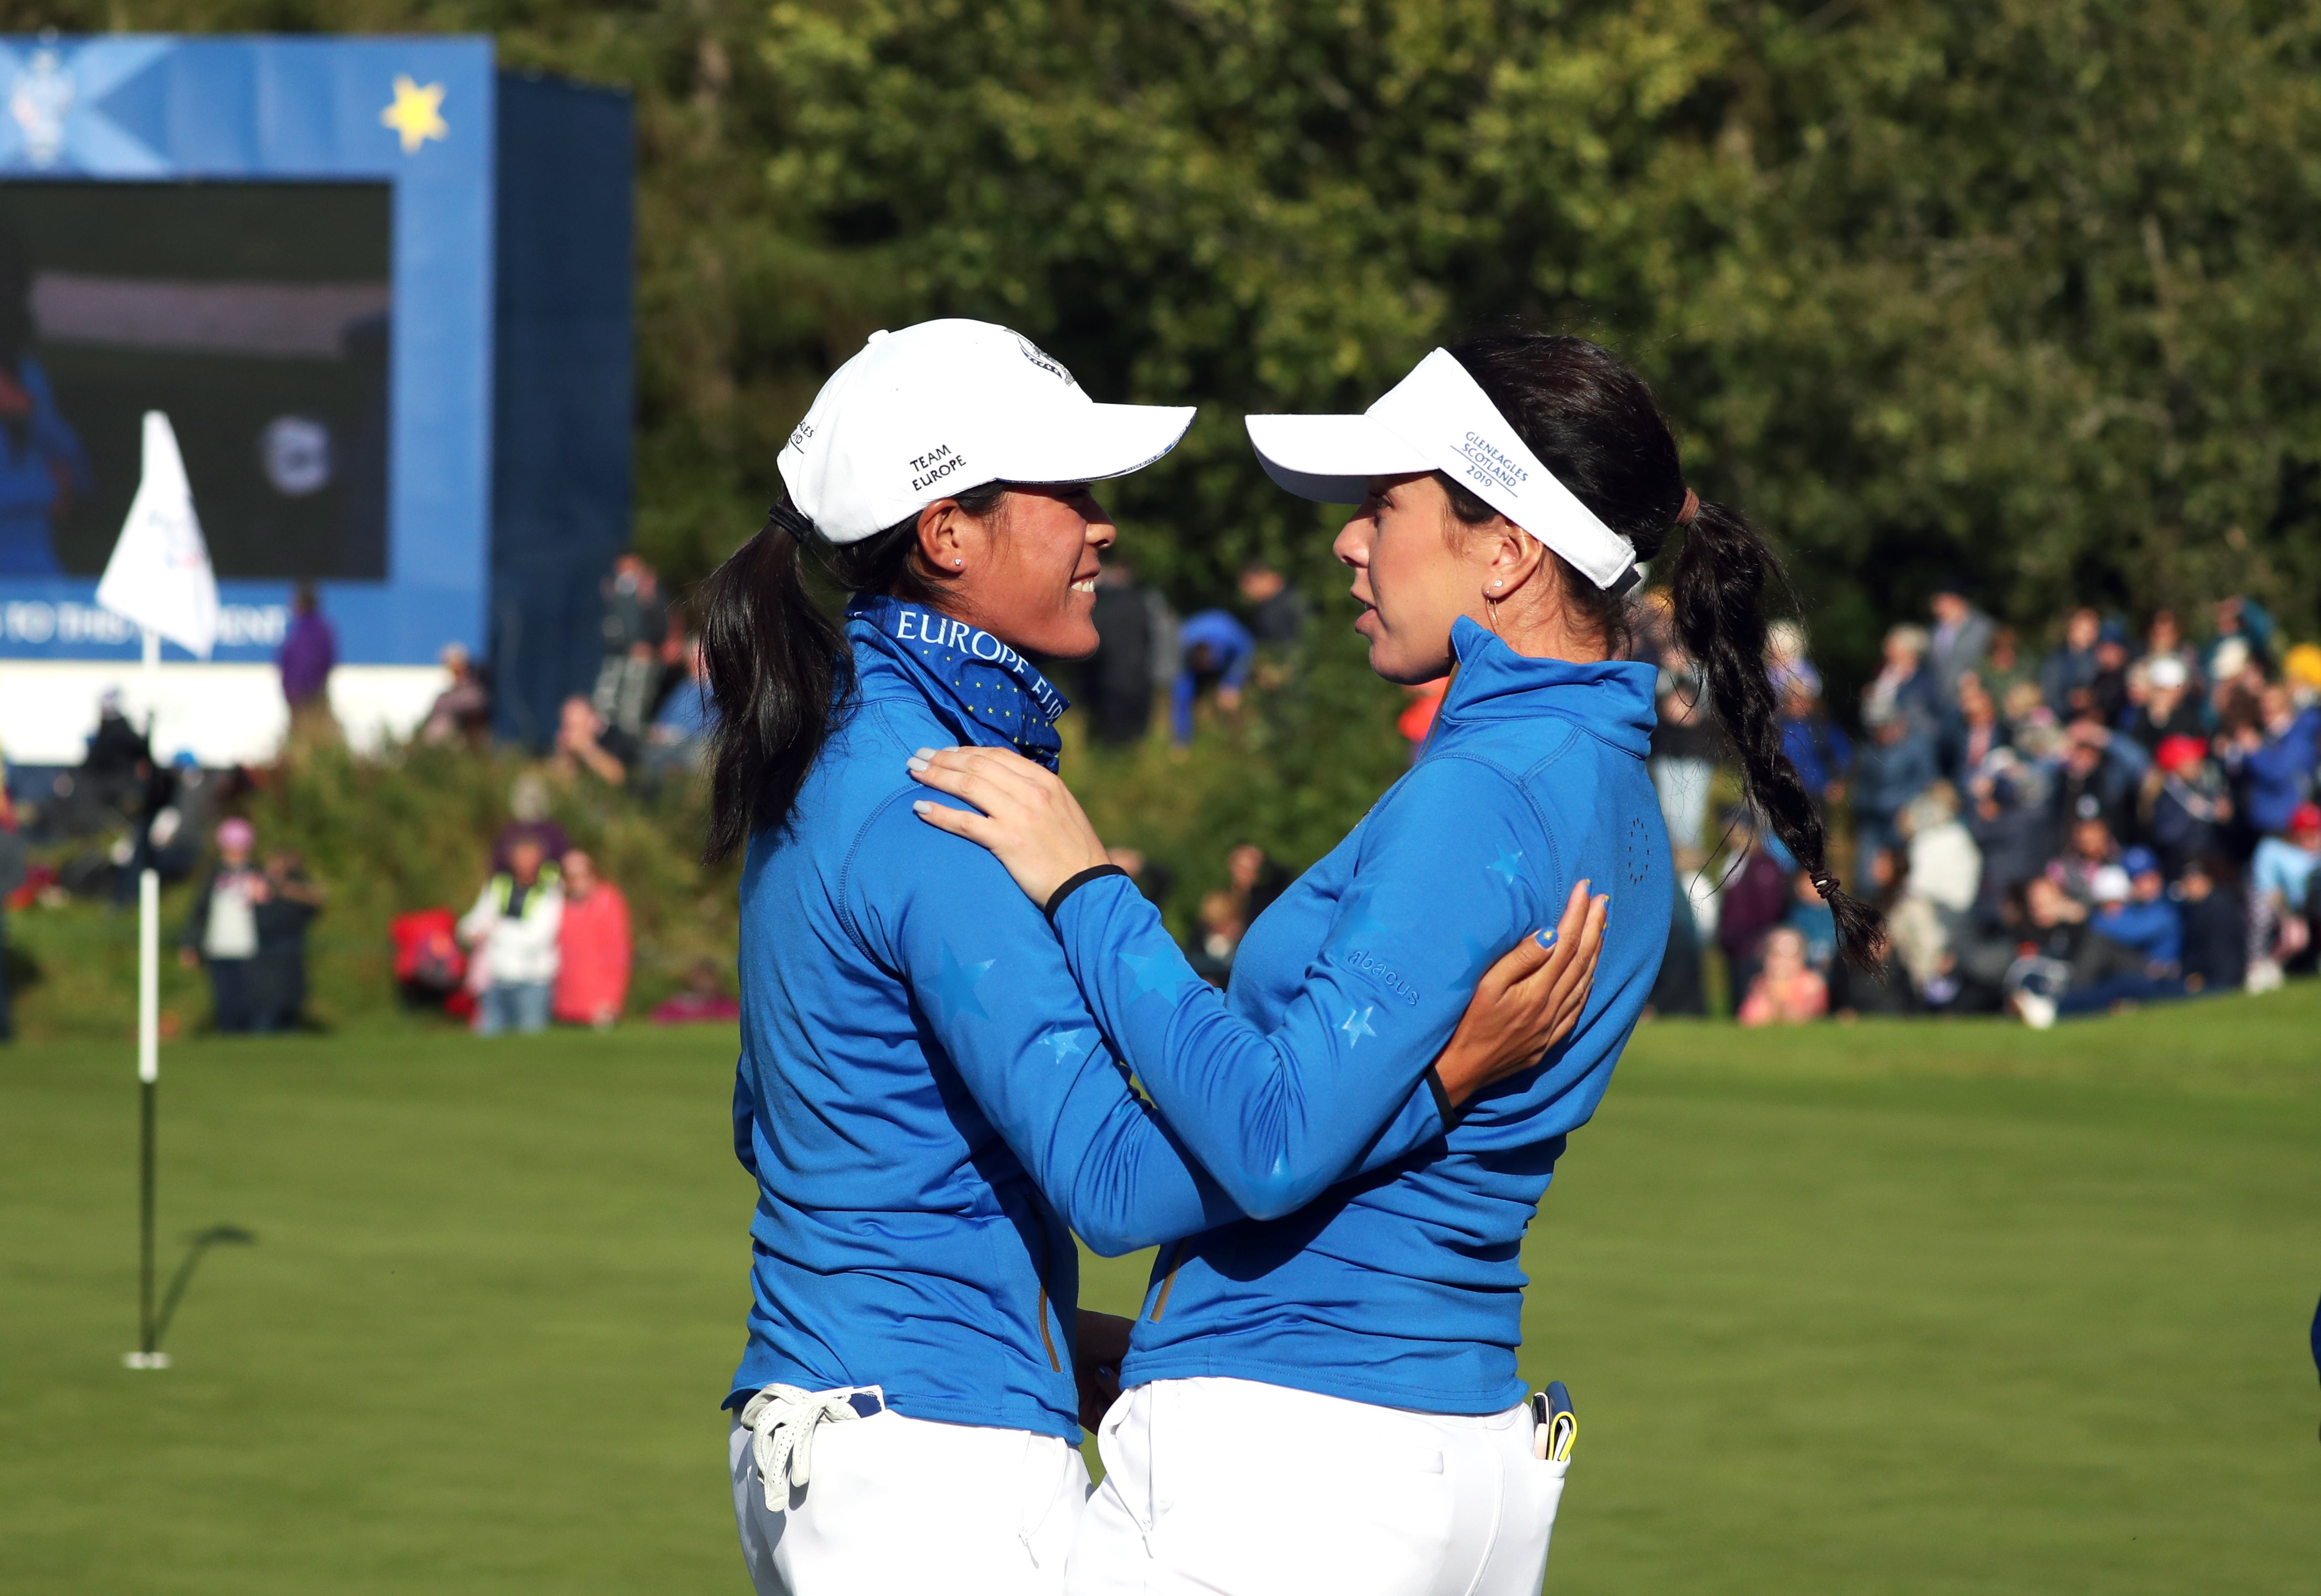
(1885, 1308)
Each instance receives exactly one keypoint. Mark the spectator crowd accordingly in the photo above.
(2121, 813)
(2128, 817)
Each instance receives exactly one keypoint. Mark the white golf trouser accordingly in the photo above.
(891, 1506)
(1234, 1488)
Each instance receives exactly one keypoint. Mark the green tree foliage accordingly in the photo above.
(2014, 287)
(2010, 287)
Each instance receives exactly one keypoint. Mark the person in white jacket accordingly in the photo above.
(512, 931)
(1945, 873)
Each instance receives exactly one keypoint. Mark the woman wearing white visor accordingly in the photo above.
(1329, 1401)
(923, 1097)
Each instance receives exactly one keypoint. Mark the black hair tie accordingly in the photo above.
(793, 520)
(1825, 884)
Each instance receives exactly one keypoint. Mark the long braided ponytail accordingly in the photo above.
(1593, 422)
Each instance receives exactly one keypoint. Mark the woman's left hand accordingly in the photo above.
(1030, 819)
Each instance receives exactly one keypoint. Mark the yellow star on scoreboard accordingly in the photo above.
(416, 113)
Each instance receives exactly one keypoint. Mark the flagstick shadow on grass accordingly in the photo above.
(197, 1246)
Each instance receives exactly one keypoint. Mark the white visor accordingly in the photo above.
(934, 410)
(1439, 419)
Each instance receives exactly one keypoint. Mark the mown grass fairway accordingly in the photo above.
(1880, 1308)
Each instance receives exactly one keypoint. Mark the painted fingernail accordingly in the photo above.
(926, 753)
(915, 764)
(921, 806)
(1546, 939)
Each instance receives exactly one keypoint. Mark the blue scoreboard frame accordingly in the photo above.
(426, 116)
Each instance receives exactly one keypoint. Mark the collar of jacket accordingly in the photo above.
(1611, 699)
(965, 669)
(545, 878)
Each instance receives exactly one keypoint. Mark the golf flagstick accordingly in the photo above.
(159, 580)
(148, 1053)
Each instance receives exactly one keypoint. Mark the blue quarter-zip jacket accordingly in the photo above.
(926, 1104)
(1401, 1286)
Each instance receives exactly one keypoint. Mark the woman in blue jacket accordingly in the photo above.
(1329, 1401)
(922, 1096)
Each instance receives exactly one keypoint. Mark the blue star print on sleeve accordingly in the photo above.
(1443, 887)
(985, 972)
(950, 988)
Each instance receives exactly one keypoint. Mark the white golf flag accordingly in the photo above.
(159, 574)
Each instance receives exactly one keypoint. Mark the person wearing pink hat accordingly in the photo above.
(221, 930)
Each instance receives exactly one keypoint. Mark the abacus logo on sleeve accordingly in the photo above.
(1371, 964)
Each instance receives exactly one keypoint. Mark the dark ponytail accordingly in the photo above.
(776, 662)
(1593, 422)
(1718, 593)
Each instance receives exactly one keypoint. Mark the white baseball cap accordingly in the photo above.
(933, 410)
(1439, 419)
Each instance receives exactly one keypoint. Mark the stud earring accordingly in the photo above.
(959, 562)
(1497, 583)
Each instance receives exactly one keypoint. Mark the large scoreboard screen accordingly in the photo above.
(381, 291)
(287, 247)
(257, 315)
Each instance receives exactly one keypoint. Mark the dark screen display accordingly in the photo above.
(255, 315)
